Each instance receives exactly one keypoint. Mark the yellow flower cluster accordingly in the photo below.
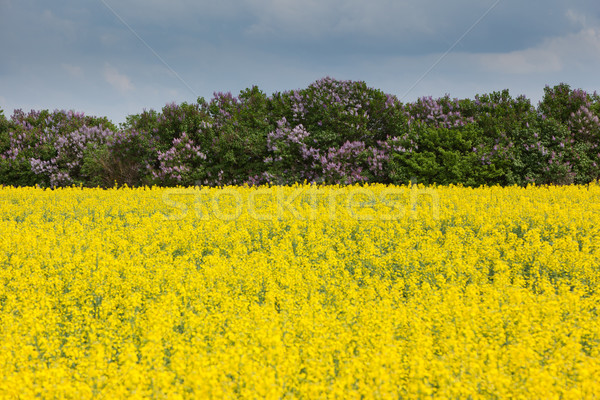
(300, 292)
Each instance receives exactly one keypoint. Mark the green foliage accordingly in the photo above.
(18, 174)
(148, 149)
(579, 113)
(120, 161)
(46, 148)
(331, 132)
(443, 156)
(238, 136)
(541, 153)
(4, 125)
(335, 112)
(560, 102)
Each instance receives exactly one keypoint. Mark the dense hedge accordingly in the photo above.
(338, 132)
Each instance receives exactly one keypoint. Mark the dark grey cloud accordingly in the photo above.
(37, 30)
(69, 53)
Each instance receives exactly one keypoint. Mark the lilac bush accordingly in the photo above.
(163, 148)
(49, 149)
(290, 156)
(585, 124)
(541, 153)
(334, 132)
(505, 124)
(437, 113)
(178, 165)
(579, 112)
(337, 165)
(336, 111)
(238, 135)
(298, 160)
(71, 148)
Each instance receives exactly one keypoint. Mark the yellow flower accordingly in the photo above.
(300, 292)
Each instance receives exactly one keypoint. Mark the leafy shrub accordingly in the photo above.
(508, 126)
(579, 112)
(440, 155)
(216, 143)
(49, 149)
(541, 153)
(124, 158)
(4, 126)
(166, 148)
(440, 145)
(437, 113)
(460, 141)
(334, 132)
(239, 137)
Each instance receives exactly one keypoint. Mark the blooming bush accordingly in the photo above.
(337, 132)
(334, 132)
(240, 125)
(437, 113)
(49, 149)
(167, 147)
(65, 168)
(179, 165)
(579, 112)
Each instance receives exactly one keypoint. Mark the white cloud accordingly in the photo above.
(557, 54)
(109, 39)
(523, 61)
(117, 80)
(73, 70)
(576, 17)
(63, 27)
(173, 93)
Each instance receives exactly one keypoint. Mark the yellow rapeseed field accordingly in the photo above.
(300, 292)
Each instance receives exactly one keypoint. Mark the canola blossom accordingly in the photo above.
(300, 291)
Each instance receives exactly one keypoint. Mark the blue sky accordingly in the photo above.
(114, 58)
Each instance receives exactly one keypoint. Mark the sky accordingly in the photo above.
(117, 58)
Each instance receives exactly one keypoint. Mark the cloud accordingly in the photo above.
(73, 70)
(117, 80)
(60, 26)
(553, 55)
(523, 61)
(338, 27)
(577, 18)
(315, 18)
(56, 53)
(182, 13)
